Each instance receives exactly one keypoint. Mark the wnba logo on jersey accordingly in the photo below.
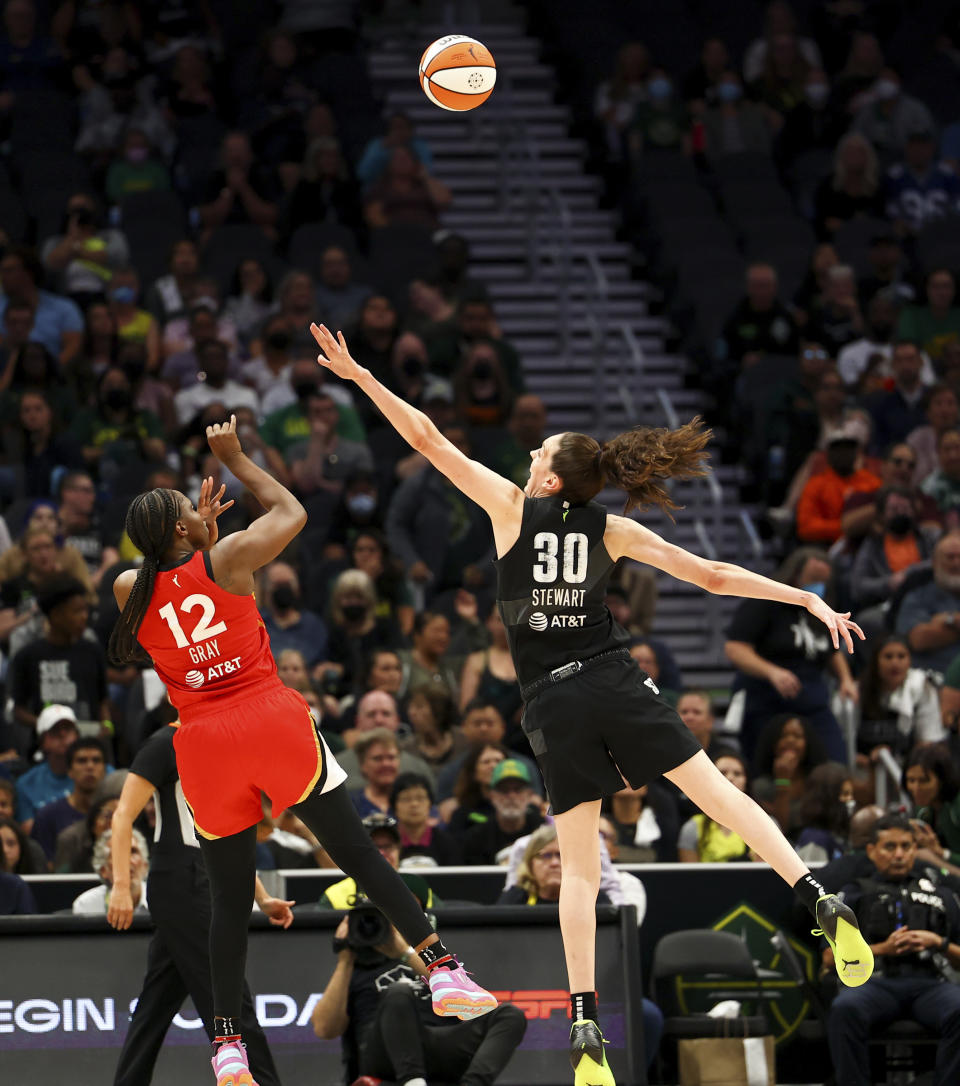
(194, 679)
(538, 621)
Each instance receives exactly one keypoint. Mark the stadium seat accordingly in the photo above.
(852, 241)
(228, 245)
(42, 120)
(397, 254)
(938, 245)
(309, 241)
(13, 217)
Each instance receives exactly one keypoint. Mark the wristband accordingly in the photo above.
(406, 954)
(108, 724)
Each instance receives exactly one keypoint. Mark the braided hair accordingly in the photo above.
(151, 520)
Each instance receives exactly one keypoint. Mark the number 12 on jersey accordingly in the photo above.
(203, 630)
(575, 554)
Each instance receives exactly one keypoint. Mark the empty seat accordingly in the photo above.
(13, 218)
(398, 254)
(228, 245)
(852, 240)
(309, 241)
(42, 120)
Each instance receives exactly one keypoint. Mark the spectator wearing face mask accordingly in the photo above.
(273, 366)
(134, 325)
(285, 408)
(660, 122)
(290, 625)
(136, 169)
(820, 508)
(184, 337)
(325, 459)
(812, 125)
(889, 118)
(358, 514)
(894, 547)
(734, 125)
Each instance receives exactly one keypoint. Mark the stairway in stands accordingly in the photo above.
(582, 324)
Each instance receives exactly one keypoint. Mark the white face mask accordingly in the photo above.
(886, 89)
(817, 93)
(851, 805)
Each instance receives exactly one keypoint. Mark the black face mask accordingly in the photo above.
(82, 216)
(279, 341)
(304, 389)
(883, 333)
(284, 597)
(842, 457)
(134, 369)
(117, 399)
(483, 371)
(900, 524)
(353, 612)
(411, 366)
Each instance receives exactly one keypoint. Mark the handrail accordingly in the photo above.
(889, 767)
(703, 538)
(750, 531)
(631, 371)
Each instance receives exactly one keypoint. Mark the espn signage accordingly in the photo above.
(69, 985)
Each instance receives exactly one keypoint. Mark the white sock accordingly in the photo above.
(416, 1082)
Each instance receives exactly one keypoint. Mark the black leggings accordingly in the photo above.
(231, 865)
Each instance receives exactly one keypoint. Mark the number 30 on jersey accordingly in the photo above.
(575, 547)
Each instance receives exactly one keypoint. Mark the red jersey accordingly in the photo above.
(208, 645)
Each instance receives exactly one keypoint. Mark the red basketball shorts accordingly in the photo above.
(264, 743)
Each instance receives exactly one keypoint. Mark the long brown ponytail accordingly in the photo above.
(151, 519)
(640, 461)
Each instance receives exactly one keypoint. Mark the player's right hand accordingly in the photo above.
(223, 440)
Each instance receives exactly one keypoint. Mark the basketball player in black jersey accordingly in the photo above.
(178, 896)
(593, 718)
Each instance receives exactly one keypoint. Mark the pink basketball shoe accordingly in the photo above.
(455, 994)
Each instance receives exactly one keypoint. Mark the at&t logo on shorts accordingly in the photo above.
(538, 621)
(194, 679)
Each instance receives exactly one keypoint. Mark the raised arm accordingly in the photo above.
(625, 537)
(236, 556)
(501, 499)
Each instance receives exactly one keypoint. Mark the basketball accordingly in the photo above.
(457, 72)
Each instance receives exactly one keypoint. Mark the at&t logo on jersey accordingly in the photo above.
(194, 679)
(538, 621)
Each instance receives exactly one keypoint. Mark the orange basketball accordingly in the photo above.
(457, 72)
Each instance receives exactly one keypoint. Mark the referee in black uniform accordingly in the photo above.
(593, 718)
(178, 895)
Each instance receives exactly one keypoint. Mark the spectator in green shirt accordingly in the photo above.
(115, 432)
(137, 170)
(288, 426)
(937, 323)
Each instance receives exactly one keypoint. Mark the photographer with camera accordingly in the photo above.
(376, 1003)
(912, 922)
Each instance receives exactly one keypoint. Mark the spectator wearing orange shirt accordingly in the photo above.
(820, 508)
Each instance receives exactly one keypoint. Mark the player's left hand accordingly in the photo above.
(336, 354)
(209, 506)
(839, 625)
(279, 912)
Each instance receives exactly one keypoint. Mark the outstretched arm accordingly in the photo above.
(501, 499)
(627, 537)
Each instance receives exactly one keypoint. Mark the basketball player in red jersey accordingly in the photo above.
(242, 732)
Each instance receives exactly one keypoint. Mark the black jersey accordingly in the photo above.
(551, 586)
(175, 841)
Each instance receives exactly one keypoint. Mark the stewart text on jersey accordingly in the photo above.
(208, 645)
(551, 586)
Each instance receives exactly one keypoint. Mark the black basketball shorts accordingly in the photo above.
(603, 722)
